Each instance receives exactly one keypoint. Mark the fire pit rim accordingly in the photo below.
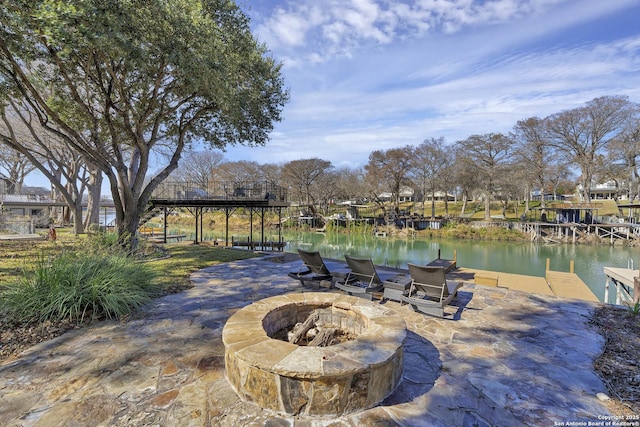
(316, 381)
(244, 334)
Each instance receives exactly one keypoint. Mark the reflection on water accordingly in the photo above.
(509, 257)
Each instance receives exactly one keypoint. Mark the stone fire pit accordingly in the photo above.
(315, 381)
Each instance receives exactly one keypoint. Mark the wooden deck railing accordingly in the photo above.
(220, 190)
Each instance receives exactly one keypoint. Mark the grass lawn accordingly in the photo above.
(186, 258)
(173, 270)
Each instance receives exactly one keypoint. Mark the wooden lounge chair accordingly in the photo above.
(314, 269)
(430, 291)
(363, 279)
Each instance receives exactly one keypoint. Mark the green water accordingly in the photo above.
(509, 257)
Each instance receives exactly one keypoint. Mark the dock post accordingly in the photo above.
(606, 291)
(548, 263)
(571, 266)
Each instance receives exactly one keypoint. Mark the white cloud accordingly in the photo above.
(340, 27)
(382, 74)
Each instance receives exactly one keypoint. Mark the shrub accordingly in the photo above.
(76, 287)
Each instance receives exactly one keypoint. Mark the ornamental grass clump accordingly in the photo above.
(78, 287)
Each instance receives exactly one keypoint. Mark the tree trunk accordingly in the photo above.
(77, 218)
(128, 231)
(94, 188)
(446, 204)
(487, 207)
(433, 204)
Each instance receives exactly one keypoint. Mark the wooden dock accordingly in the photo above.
(516, 282)
(160, 238)
(555, 283)
(569, 285)
(258, 245)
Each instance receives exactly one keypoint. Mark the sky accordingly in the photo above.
(368, 75)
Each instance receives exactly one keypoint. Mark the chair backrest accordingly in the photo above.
(314, 262)
(363, 270)
(430, 280)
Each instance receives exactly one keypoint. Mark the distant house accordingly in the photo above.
(439, 196)
(406, 195)
(539, 195)
(605, 191)
(24, 205)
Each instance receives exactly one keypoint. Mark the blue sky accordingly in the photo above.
(375, 74)
(378, 74)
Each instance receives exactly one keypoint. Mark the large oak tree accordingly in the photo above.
(126, 81)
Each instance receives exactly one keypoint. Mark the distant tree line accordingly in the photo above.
(597, 142)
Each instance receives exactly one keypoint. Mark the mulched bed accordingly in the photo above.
(15, 338)
(619, 364)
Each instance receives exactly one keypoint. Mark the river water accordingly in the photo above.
(509, 257)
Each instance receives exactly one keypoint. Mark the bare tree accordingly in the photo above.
(624, 151)
(65, 168)
(585, 132)
(391, 168)
(325, 189)
(487, 157)
(271, 172)
(431, 159)
(243, 170)
(350, 183)
(301, 175)
(198, 167)
(560, 178)
(534, 153)
(15, 167)
(463, 178)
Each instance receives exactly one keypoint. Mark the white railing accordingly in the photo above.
(623, 294)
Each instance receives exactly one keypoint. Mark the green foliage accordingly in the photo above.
(464, 231)
(108, 242)
(633, 309)
(102, 241)
(164, 73)
(77, 287)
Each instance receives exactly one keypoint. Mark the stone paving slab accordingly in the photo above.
(499, 358)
